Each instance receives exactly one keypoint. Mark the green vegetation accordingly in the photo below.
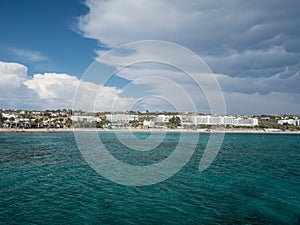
(68, 123)
(2, 119)
(62, 119)
(174, 122)
(268, 122)
(271, 122)
(103, 123)
(136, 123)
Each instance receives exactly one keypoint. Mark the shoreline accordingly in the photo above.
(238, 130)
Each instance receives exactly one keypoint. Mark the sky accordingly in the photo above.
(89, 55)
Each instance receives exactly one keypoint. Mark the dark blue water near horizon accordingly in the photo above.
(255, 179)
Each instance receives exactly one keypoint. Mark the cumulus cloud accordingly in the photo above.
(12, 74)
(13, 93)
(53, 85)
(52, 90)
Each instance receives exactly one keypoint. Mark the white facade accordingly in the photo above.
(290, 121)
(245, 122)
(148, 123)
(163, 118)
(228, 120)
(84, 118)
(121, 117)
(224, 120)
(200, 120)
(6, 115)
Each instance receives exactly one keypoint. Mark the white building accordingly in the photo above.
(213, 120)
(290, 121)
(224, 120)
(228, 120)
(200, 120)
(85, 119)
(8, 116)
(121, 117)
(251, 122)
(163, 118)
(148, 123)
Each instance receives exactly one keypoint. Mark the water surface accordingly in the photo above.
(255, 179)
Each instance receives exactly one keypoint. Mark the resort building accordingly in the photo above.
(163, 118)
(8, 115)
(121, 117)
(224, 120)
(295, 122)
(148, 124)
(85, 119)
(245, 122)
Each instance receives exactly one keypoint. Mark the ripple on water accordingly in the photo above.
(254, 180)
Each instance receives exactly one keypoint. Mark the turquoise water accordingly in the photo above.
(255, 179)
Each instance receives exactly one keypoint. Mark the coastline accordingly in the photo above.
(236, 130)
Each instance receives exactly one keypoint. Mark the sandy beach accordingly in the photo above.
(232, 130)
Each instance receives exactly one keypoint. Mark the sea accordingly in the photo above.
(254, 179)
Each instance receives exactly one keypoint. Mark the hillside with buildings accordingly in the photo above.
(60, 119)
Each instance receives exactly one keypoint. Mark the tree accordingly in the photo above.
(136, 123)
(174, 122)
(102, 123)
(68, 122)
(2, 119)
(37, 122)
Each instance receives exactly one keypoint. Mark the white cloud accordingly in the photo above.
(261, 42)
(12, 74)
(110, 23)
(254, 62)
(256, 104)
(52, 85)
(52, 90)
(200, 25)
(166, 70)
(70, 92)
(261, 85)
(28, 55)
(253, 46)
(13, 92)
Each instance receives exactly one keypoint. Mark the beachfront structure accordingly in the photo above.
(223, 120)
(213, 120)
(251, 122)
(9, 116)
(163, 118)
(121, 117)
(290, 121)
(148, 124)
(85, 119)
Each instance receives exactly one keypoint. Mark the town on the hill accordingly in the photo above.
(62, 119)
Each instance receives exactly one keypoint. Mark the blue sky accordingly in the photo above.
(42, 35)
(49, 48)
